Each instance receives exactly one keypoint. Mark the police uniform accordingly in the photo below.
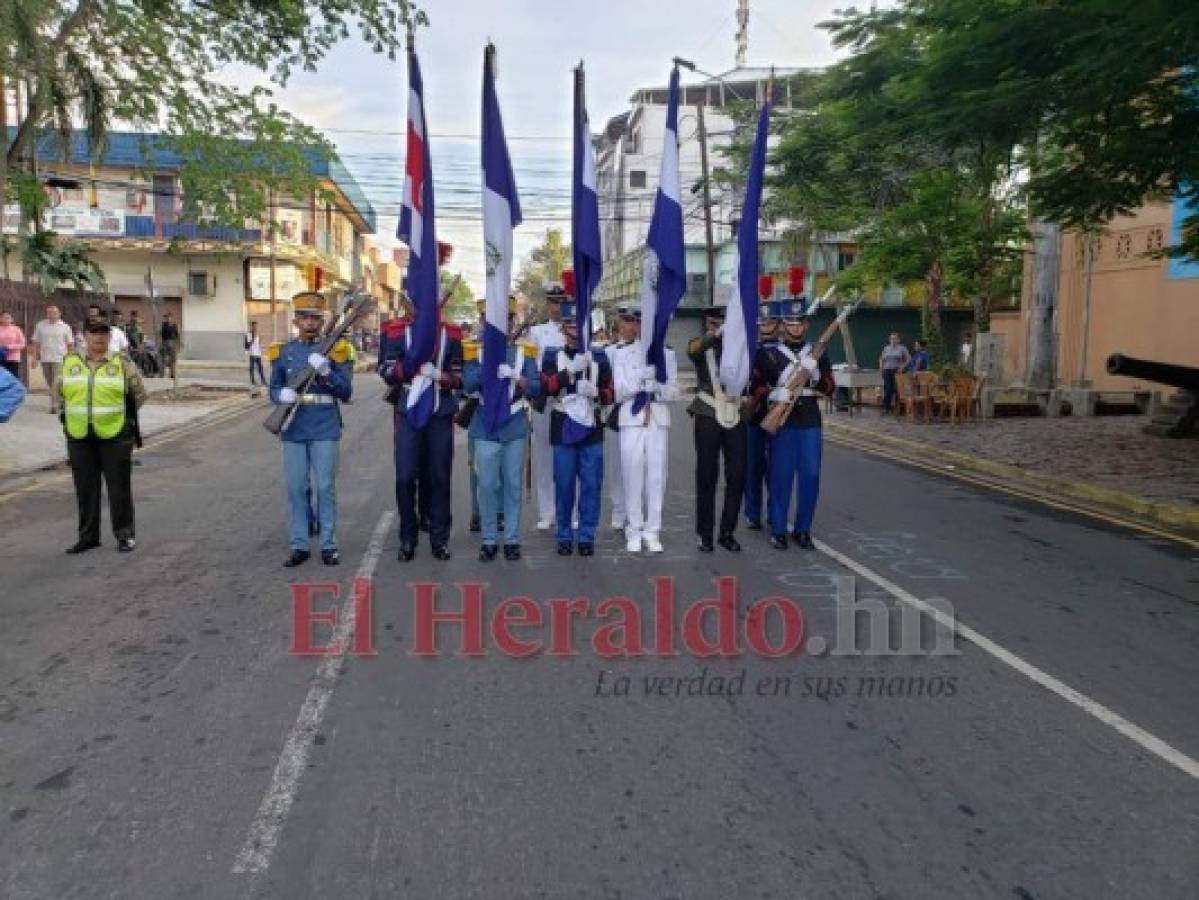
(644, 424)
(578, 387)
(310, 441)
(424, 453)
(795, 449)
(719, 430)
(546, 336)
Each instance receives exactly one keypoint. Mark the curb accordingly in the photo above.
(1155, 511)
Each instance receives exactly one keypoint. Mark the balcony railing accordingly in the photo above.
(147, 227)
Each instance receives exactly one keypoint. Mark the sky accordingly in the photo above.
(359, 98)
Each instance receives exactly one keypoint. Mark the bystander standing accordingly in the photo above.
(892, 361)
(52, 340)
(12, 344)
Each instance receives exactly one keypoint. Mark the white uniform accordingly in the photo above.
(547, 336)
(612, 471)
(644, 440)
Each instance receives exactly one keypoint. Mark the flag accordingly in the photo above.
(586, 252)
(740, 340)
(417, 231)
(665, 279)
(501, 213)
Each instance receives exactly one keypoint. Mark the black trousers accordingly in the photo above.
(424, 458)
(712, 441)
(95, 462)
(256, 366)
(889, 389)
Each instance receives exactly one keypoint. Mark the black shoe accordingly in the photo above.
(126, 545)
(729, 543)
(487, 552)
(475, 525)
(82, 547)
(753, 524)
(586, 549)
(295, 558)
(565, 548)
(407, 551)
(704, 545)
(330, 557)
(778, 541)
(803, 540)
(512, 551)
(442, 552)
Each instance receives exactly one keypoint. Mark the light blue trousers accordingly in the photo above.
(500, 465)
(320, 458)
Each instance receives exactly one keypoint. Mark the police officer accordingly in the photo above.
(626, 333)
(101, 391)
(719, 431)
(547, 336)
(795, 449)
(424, 452)
(757, 447)
(310, 441)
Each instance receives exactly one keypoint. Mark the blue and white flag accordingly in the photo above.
(417, 231)
(586, 251)
(740, 339)
(501, 214)
(665, 277)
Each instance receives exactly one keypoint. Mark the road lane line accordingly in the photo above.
(1114, 720)
(260, 843)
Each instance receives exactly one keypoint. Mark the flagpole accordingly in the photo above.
(583, 332)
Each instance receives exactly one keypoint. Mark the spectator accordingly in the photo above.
(52, 340)
(134, 332)
(12, 344)
(919, 360)
(12, 395)
(171, 338)
(891, 361)
(119, 341)
(967, 352)
(254, 347)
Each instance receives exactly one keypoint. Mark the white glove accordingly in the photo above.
(320, 363)
(779, 395)
(503, 370)
(585, 388)
(810, 365)
(580, 363)
(287, 395)
(429, 370)
(649, 385)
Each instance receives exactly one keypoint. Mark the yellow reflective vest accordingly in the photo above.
(93, 397)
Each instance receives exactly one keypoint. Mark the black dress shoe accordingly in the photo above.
(330, 557)
(565, 548)
(475, 525)
(778, 541)
(586, 549)
(487, 553)
(295, 558)
(729, 543)
(512, 551)
(753, 524)
(82, 547)
(126, 545)
(803, 540)
(442, 552)
(704, 545)
(407, 551)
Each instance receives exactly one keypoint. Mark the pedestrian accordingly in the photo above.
(626, 334)
(757, 443)
(120, 340)
(424, 450)
(891, 361)
(576, 381)
(547, 336)
(133, 331)
(967, 351)
(720, 432)
(12, 344)
(101, 391)
(919, 360)
(499, 451)
(52, 340)
(12, 395)
(170, 340)
(310, 440)
(253, 346)
(796, 448)
(644, 436)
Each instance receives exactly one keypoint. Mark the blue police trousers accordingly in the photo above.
(319, 458)
(578, 471)
(794, 462)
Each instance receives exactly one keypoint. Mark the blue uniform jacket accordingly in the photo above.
(769, 366)
(517, 427)
(392, 348)
(311, 422)
(12, 394)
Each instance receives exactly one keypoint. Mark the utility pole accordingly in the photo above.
(703, 162)
(742, 31)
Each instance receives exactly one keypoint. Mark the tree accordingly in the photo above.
(460, 307)
(53, 263)
(544, 264)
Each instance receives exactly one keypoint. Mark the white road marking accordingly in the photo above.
(1133, 732)
(260, 843)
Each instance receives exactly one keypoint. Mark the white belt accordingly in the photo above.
(807, 392)
(317, 399)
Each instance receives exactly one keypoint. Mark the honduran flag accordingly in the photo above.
(501, 214)
(740, 339)
(417, 231)
(587, 254)
(665, 278)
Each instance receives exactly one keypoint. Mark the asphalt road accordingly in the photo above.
(158, 740)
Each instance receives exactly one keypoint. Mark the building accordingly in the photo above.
(215, 280)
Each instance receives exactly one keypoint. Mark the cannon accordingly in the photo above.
(1178, 416)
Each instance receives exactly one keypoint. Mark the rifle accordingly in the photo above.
(355, 307)
(778, 414)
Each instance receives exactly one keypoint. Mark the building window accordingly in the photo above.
(197, 284)
(637, 178)
(844, 260)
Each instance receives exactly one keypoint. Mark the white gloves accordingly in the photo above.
(580, 363)
(648, 372)
(429, 370)
(503, 370)
(779, 395)
(585, 388)
(649, 385)
(320, 363)
(287, 395)
(810, 365)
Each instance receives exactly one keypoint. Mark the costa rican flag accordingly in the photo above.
(501, 214)
(586, 251)
(418, 232)
(665, 278)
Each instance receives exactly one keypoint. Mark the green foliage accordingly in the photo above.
(52, 263)
(460, 307)
(544, 264)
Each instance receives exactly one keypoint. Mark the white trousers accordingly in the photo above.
(543, 466)
(643, 468)
(614, 480)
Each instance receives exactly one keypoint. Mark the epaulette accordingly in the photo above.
(453, 332)
(394, 328)
(340, 352)
(273, 350)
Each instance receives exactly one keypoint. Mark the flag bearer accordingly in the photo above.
(626, 334)
(757, 456)
(547, 336)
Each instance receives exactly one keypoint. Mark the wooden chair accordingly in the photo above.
(910, 397)
(961, 392)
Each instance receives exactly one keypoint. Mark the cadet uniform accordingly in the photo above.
(546, 336)
(612, 472)
(310, 441)
(757, 446)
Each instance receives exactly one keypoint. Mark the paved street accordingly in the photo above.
(158, 740)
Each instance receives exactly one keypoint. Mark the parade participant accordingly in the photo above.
(310, 441)
(644, 423)
(795, 450)
(424, 454)
(467, 409)
(99, 391)
(499, 454)
(719, 431)
(547, 336)
(626, 333)
(576, 382)
(757, 445)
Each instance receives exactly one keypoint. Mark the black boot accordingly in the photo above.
(729, 543)
(586, 549)
(331, 557)
(778, 541)
(565, 548)
(803, 540)
(82, 547)
(442, 552)
(704, 545)
(295, 558)
(487, 553)
(512, 551)
(407, 551)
